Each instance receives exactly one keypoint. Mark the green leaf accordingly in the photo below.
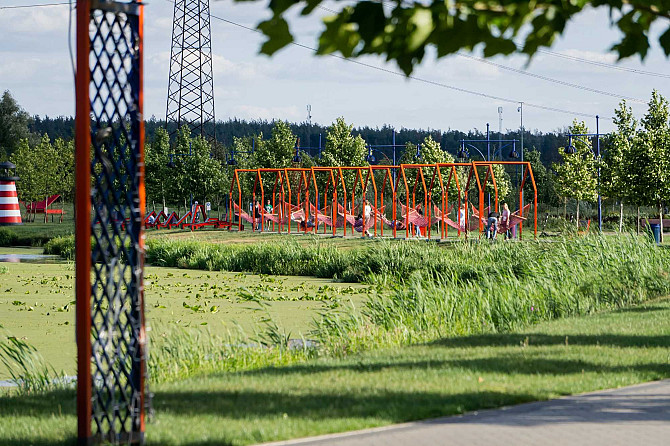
(664, 40)
(278, 33)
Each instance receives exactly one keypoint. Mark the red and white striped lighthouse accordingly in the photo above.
(10, 213)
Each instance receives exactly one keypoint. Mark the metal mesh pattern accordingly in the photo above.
(116, 285)
(191, 84)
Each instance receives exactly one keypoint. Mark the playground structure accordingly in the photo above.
(196, 218)
(422, 195)
(44, 207)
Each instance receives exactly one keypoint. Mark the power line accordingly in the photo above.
(604, 64)
(566, 56)
(549, 79)
(37, 5)
(419, 79)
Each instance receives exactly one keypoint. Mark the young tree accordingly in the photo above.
(159, 177)
(576, 175)
(342, 148)
(546, 190)
(278, 151)
(29, 170)
(651, 155)
(64, 168)
(615, 173)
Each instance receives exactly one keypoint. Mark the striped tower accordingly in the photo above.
(10, 213)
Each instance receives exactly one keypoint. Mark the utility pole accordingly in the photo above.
(309, 126)
(190, 99)
(500, 120)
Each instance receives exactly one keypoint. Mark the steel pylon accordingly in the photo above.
(190, 98)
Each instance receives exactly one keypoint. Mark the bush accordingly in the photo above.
(61, 246)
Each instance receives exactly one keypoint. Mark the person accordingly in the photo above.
(257, 215)
(504, 220)
(268, 210)
(151, 220)
(367, 214)
(492, 225)
(461, 217)
(417, 228)
(306, 224)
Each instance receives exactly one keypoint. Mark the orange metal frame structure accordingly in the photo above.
(301, 183)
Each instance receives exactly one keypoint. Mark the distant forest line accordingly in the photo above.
(546, 143)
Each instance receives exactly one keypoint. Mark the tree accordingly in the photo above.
(45, 169)
(64, 168)
(278, 151)
(342, 148)
(404, 32)
(576, 175)
(13, 125)
(615, 173)
(159, 177)
(651, 155)
(196, 174)
(546, 189)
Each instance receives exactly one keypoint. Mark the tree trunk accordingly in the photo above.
(565, 208)
(620, 216)
(638, 220)
(577, 215)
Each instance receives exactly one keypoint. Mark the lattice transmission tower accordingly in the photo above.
(190, 98)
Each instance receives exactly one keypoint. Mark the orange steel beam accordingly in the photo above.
(83, 225)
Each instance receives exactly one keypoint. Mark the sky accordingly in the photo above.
(35, 67)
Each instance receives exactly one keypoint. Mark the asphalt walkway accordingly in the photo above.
(637, 415)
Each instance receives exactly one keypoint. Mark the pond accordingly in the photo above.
(27, 255)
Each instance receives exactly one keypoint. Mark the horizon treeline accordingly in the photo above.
(544, 142)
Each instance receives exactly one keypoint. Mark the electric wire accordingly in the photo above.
(36, 5)
(419, 79)
(550, 79)
(569, 57)
(530, 74)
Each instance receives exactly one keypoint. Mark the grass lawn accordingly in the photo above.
(449, 376)
(37, 303)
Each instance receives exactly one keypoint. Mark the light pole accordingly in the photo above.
(600, 200)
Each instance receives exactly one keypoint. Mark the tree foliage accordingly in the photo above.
(650, 154)
(544, 181)
(404, 31)
(576, 175)
(616, 176)
(44, 169)
(13, 125)
(343, 148)
(278, 151)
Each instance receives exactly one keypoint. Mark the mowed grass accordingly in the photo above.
(37, 304)
(375, 388)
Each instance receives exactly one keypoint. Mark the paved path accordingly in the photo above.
(637, 415)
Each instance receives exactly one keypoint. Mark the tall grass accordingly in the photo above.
(27, 368)
(476, 288)
(425, 292)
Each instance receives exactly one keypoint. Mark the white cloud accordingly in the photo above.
(35, 20)
(228, 69)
